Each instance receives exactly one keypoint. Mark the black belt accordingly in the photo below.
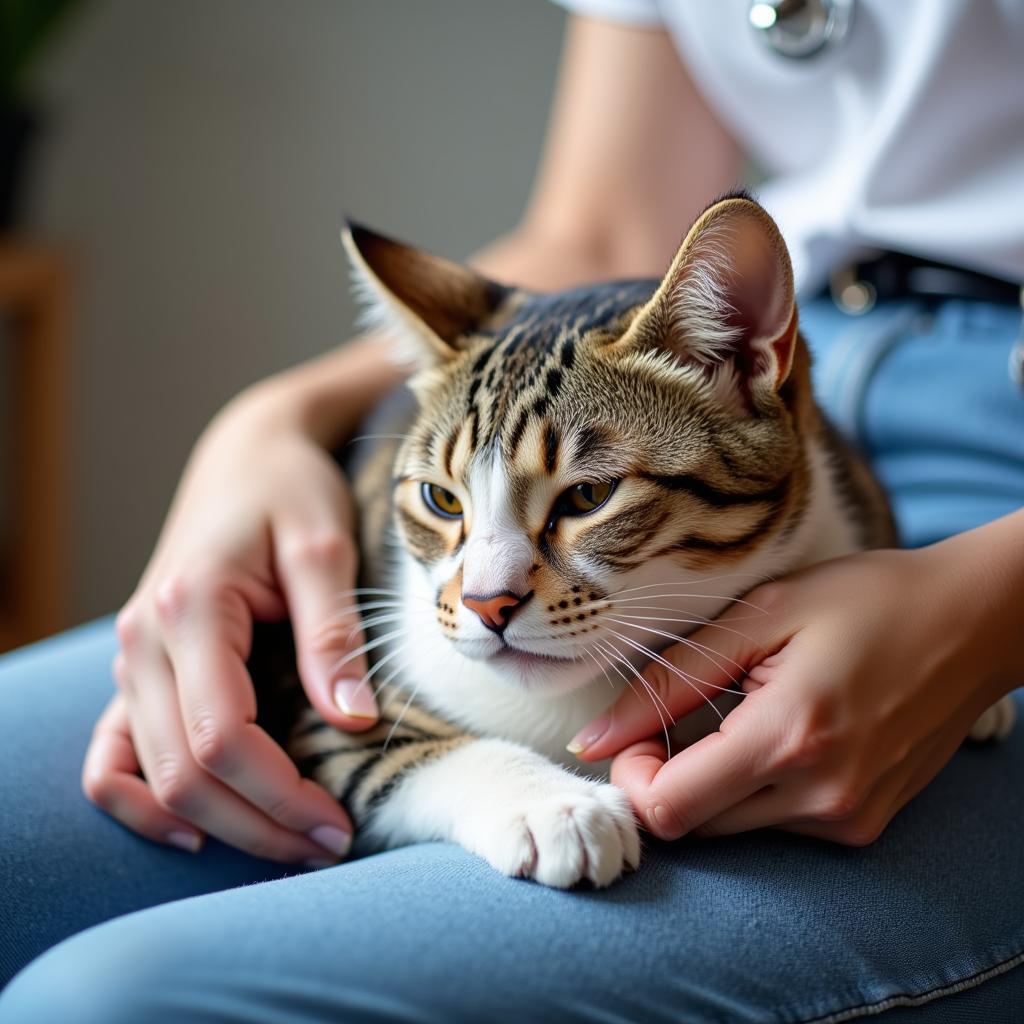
(856, 287)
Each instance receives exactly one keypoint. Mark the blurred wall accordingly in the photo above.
(199, 159)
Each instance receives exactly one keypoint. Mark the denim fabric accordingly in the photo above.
(756, 928)
(925, 391)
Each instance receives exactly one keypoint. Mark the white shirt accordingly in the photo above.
(908, 135)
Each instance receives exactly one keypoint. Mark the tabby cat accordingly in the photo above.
(584, 476)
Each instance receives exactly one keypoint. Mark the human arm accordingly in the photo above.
(863, 676)
(261, 524)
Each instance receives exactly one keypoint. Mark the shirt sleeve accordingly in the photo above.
(628, 12)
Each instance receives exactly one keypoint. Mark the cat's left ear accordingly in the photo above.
(432, 301)
(727, 299)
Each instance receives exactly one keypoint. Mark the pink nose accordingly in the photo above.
(495, 611)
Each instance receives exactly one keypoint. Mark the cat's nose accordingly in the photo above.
(496, 610)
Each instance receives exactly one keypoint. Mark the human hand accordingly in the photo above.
(863, 675)
(261, 528)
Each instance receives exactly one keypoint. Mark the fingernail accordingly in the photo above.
(589, 734)
(330, 838)
(354, 698)
(185, 840)
(316, 863)
(666, 826)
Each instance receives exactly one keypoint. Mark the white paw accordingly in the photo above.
(996, 722)
(560, 833)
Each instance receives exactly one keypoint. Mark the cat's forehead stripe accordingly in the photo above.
(545, 317)
(529, 350)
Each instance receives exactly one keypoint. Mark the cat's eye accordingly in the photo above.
(583, 498)
(441, 502)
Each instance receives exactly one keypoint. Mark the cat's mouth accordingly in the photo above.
(526, 659)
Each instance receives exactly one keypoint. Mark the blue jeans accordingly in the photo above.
(926, 925)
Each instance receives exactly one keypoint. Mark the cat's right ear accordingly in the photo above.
(430, 302)
(727, 302)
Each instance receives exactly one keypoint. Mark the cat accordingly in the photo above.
(583, 476)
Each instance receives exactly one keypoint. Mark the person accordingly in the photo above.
(904, 137)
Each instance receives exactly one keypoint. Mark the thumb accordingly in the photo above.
(681, 679)
(317, 571)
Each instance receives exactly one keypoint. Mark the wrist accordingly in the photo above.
(323, 400)
(982, 571)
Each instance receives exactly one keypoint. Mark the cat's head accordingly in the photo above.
(587, 462)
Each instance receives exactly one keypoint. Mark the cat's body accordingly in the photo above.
(584, 477)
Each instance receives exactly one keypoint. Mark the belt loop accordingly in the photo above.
(1017, 352)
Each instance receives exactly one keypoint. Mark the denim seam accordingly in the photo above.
(867, 346)
(922, 999)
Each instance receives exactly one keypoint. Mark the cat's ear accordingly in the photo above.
(432, 301)
(727, 300)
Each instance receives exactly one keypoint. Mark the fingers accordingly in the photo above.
(178, 783)
(677, 796)
(893, 792)
(217, 707)
(850, 810)
(181, 786)
(110, 780)
(316, 567)
(679, 680)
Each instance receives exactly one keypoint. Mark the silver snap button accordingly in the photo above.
(801, 28)
(850, 294)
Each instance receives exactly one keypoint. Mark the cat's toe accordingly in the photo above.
(511, 849)
(558, 830)
(618, 807)
(583, 836)
(995, 722)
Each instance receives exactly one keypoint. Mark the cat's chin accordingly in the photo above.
(527, 660)
(517, 668)
(539, 673)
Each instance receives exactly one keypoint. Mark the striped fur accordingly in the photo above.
(693, 395)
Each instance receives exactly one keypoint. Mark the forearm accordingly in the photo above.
(984, 571)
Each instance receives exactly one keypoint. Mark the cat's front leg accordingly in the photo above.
(525, 815)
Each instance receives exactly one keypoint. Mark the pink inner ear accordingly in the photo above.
(758, 292)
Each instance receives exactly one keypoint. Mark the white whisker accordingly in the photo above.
(370, 606)
(405, 663)
(690, 681)
(600, 667)
(701, 621)
(689, 583)
(401, 715)
(651, 692)
(368, 646)
(380, 592)
(382, 437)
(706, 651)
(368, 590)
(377, 666)
(666, 597)
(376, 620)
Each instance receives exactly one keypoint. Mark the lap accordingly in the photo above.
(762, 927)
(64, 865)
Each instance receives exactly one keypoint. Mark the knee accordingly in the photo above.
(92, 978)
